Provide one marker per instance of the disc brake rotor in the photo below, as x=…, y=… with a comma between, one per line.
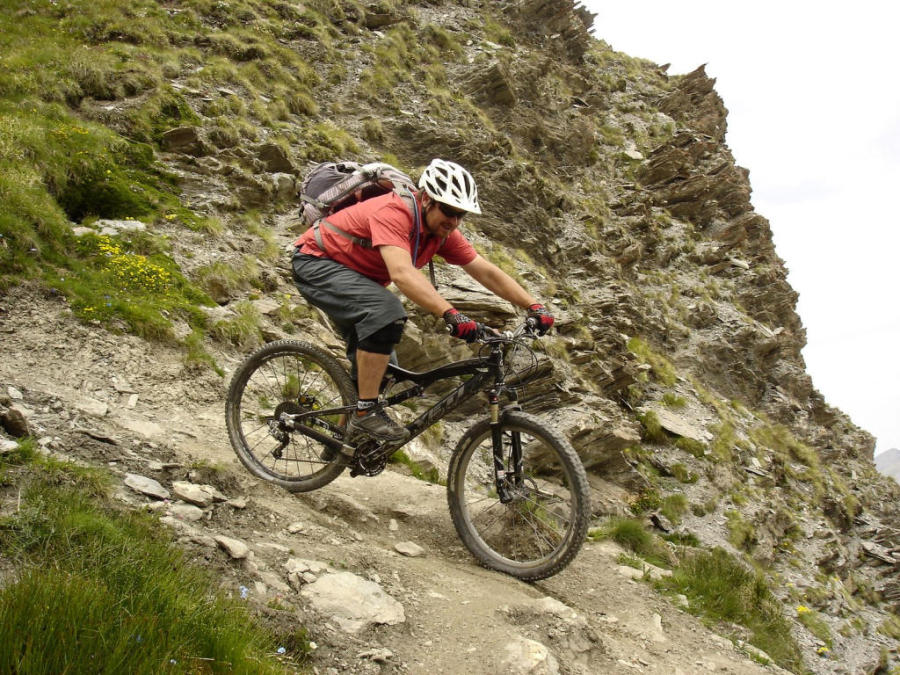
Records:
x=276, y=428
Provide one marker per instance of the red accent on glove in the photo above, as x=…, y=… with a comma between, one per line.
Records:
x=543, y=317
x=461, y=326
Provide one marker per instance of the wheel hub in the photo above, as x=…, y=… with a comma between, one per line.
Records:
x=277, y=428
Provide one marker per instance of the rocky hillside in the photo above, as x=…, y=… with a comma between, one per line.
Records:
x=149, y=199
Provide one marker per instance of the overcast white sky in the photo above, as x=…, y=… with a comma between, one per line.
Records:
x=813, y=94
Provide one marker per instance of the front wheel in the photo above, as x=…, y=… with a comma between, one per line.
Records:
x=288, y=377
x=544, y=520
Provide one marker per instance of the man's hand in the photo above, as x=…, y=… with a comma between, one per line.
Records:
x=542, y=318
x=462, y=326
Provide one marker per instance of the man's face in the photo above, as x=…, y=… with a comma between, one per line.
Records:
x=440, y=219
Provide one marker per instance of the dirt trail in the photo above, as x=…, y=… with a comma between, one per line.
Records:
x=133, y=406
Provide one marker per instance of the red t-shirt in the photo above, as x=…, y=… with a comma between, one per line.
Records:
x=387, y=221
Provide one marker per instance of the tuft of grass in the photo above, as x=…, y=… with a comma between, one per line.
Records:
x=632, y=535
x=780, y=439
x=674, y=507
x=814, y=623
x=100, y=590
x=430, y=476
x=683, y=474
x=682, y=539
x=721, y=589
x=660, y=366
x=647, y=500
x=223, y=281
x=25, y=452
x=692, y=446
x=741, y=534
x=673, y=400
x=196, y=354
x=243, y=330
x=651, y=429
x=724, y=441
x=891, y=627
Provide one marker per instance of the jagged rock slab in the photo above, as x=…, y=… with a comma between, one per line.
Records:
x=680, y=426
x=233, y=547
x=528, y=657
x=409, y=549
x=146, y=486
x=352, y=602
x=198, y=495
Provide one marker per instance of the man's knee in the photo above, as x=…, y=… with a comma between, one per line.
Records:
x=383, y=340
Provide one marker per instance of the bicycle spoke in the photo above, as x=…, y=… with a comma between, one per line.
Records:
x=287, y=378
x=537, y=531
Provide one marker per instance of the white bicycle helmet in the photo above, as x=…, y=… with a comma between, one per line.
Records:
x=450, y=184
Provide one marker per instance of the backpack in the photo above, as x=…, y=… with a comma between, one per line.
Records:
x=332, y=186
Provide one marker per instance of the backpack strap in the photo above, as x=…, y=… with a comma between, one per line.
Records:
x=359, y=241
x=410, y=200
x=407, y=196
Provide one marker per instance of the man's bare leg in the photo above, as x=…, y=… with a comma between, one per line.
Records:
x=370, y=369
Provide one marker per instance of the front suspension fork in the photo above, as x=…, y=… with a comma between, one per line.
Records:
x=505, y=476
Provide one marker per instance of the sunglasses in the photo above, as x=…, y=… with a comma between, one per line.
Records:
x=450, y=212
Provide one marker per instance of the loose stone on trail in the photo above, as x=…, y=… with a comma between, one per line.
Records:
x=146, y=486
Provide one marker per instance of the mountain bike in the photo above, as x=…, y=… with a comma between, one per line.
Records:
x=517, y=490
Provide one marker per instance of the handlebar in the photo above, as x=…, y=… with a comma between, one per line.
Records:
x=529, y=328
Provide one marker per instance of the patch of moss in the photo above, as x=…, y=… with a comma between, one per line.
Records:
x=662, y=369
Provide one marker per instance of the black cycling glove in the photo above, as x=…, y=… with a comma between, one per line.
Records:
x=461, y=326
x=543, y=318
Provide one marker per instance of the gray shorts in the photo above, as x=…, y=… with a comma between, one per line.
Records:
x=357, y=305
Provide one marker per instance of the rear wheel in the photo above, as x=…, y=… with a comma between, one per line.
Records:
x=543, y=525
x=287, y=377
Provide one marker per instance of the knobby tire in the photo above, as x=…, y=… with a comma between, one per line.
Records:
x=542, y=529
x=286, y=376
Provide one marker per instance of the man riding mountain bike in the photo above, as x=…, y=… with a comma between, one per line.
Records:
x=343, y=264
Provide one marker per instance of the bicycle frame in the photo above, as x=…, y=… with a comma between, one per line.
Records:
x=482, y=370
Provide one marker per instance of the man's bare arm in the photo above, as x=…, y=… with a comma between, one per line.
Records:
x=498, y=282
x=411, y=282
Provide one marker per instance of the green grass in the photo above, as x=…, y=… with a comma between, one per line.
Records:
x=673, y=400
x=814, y=623
x=660, y=366
x=724, y=441
x=403, y=53
x=243, y=329
x=723, y=591
x=692, y=446
x=430, y=476
x=111, y=281
x=683, y=474
x=741, y=534
x=651, y=429
x=891, y=627
x=64, y=163
x=102, y=590
x=223, y=281
x=674, y=507
x=632, y=535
